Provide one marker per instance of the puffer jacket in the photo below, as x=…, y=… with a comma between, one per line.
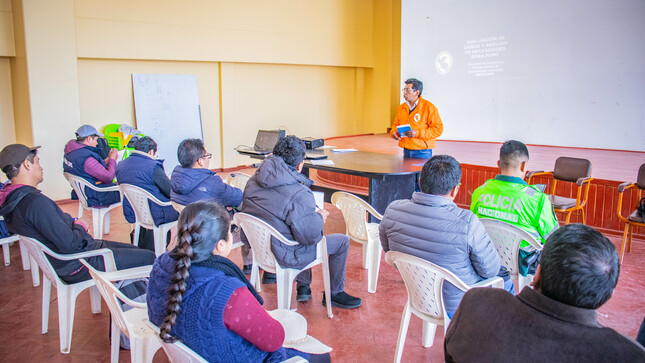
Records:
x=279, y=195
x=435, y=229
x=189, y=185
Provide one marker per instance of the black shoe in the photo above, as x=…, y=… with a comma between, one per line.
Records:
x=344, y=301
x=268, y=278
x=304, y=293
x=247, y=269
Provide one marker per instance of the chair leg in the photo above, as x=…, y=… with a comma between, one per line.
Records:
x=106, y=222
x=326, y=278
x=582, y=212
x=429, y=330
x=80, y=210
x=24, y=255
x=160, y=242
x=629, y=238
x=255, y=277
x=622, y=246
x=5, y=252
x=137, y=232
x=96, y=224
x=403, y=331
x=66, y=308
x=366, y=255
x=115, y=344
x=95, y=300
x=35, y=272
x=47, y=289
x=284, y=287
x=523, y=281
x=375, y=264
x=567, y=218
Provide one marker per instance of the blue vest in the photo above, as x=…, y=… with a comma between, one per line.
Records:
x=200, y=324
x=74, y=163
x=138, y=170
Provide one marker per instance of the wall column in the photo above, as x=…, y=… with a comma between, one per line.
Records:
x=45, y=77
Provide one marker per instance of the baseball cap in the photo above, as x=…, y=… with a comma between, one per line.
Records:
x=87, y=130
x=15, y=154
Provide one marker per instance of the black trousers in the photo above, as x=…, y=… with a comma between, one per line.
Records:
x=125, y=256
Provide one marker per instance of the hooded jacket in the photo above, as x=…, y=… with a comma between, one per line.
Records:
x=433, y=228
x=29, y=213
x=189, y=185
x=281, y=196
x=85, y=161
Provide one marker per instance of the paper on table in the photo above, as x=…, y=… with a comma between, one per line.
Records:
x=327, y=147
x=343, y=150
x=419, y=164
x=321, y=162
x=320, y=199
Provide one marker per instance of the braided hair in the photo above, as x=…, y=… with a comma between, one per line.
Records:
x=201, y=225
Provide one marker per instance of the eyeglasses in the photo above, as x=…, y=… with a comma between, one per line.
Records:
x=207, y=156
x=408, y=90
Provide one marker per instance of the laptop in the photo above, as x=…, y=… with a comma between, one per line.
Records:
x=264, y=142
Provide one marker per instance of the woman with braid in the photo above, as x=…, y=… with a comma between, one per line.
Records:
x=200, y=297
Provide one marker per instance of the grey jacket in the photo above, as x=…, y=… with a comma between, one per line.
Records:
x=280, y=195
x=435, y=229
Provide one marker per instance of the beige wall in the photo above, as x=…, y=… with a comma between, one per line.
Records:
x=318, y=68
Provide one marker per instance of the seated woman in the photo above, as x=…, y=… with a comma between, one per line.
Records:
x=200, y=297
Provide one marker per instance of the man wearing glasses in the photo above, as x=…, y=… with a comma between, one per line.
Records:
x=423, y=120
x=192, y=180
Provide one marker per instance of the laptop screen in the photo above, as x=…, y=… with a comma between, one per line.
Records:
x=266, y=139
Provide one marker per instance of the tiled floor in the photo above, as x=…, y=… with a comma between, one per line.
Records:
x=367, y=334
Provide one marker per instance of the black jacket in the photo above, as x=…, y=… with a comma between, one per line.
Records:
x=280, y=195
x=29, y=213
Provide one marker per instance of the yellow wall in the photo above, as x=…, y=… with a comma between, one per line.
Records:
x=8, y=132
x=318, y=68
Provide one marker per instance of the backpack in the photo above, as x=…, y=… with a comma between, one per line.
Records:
x=641, y=208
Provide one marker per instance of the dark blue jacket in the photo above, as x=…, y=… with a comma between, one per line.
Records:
x=189, y=185
x=74, y=163
x=200, y=323
x=138, y=170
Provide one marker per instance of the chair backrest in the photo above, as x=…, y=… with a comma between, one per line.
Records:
x=238, y=180
x=640, y=179
x=259, y=233
x=112, y=295
x=424, y=282
x=178, y=352
x=354, y=211
x=139, y=200
x=78, y=184
x=37, y=251
x=507, y=239
x=571, y=169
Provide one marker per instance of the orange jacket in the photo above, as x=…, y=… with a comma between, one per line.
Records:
x=424, y=119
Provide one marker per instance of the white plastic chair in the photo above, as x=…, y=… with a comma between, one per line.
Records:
x=355, y=212
x=177, y=352
x=507, y=238
x=138, y=199
x=424, y=283
x=237, y=180
x=66, y=294
x=259, y=233
x=100, y=216
x=134, y=322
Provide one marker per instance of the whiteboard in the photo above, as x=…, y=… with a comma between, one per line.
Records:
x=167, y=109
x=552, y=72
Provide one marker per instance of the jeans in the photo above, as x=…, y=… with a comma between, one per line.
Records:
x=125, y=256
x=337, y=248
x=419, y=154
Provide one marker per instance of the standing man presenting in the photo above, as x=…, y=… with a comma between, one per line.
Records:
x=423, y=118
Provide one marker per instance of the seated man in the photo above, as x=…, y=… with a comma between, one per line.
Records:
x=557, y=321
x=30, y=213
x=509, y=199
x=280, y=195
x=82, y=158
x=144, y=170
x=192, y=180
x=431, y=226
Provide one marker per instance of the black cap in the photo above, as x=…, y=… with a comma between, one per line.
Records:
x=15, y=154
